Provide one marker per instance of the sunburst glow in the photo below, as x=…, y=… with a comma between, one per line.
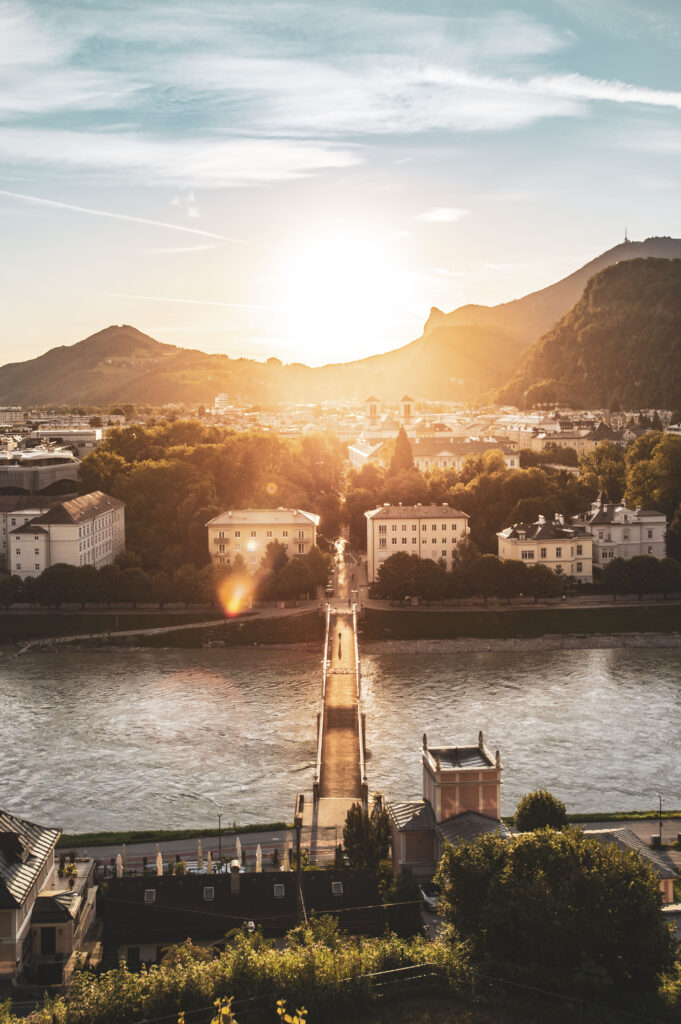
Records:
x=338, y=290
x=236, y=594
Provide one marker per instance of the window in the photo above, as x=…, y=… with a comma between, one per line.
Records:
x=382, y=542
x=208, y=892
x=269, y=533
x=650, y=549
x=527, y=555
x=542, y=552
x=579, y=567
x=237, y=547
x=237, y=533
x=149, y=895
x=382, y=528
x=413, y=527
x=394, y=527
x=37, y=568
x=423, y=527
x=301, y=534
x=444, y=554
x=404, y=527
x=254, y=533
x=284, y=533
x=279, y=891
x=413, y=540
x=301, y=549
x=221, y=549
x=444, y=526
x=221, y=534
x=337, y=888
x=434, y=526
x=18, y=551
x=404, y=540
x=625, y=535
x=559, y=552
x=600, y=535
x=650, y=534
x=453, y=526
x=579, y=549
x=394, y=540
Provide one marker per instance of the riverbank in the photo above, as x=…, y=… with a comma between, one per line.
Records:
x=551, y=625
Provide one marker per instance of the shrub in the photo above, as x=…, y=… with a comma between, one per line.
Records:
x=539, y=810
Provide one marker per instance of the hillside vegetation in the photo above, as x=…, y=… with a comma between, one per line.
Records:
x=620, y=345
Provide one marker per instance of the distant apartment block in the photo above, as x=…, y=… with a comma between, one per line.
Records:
x=566, y=548
x=31, y=471
x=81, y=439
x=428, y=531
x=11, y=414
x=89, y=530
x=622, y=532
x=451, y=453
x=222, y=403
x=247, y=532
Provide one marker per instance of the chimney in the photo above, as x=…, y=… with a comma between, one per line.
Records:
x=235, y=880
x=480, y=742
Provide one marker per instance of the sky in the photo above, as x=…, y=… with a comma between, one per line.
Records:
x=307, y=179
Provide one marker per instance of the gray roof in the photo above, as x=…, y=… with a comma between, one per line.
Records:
x=626, y=839
x=464, y=828
x=415, y=512
x=431, y=447
x=24, y=848
x=412, y=816
x=461, y=757
x=78, y=510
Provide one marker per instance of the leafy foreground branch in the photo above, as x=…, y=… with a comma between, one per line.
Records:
x=332, y=975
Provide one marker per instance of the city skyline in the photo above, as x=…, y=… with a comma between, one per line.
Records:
x=302, y=182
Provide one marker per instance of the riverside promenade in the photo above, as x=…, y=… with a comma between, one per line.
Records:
x=340, y=774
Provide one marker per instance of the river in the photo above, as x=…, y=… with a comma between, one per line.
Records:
x=167, y=738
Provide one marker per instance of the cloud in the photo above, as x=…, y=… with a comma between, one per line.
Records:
x=212, y=163
x=443, y=215
x=581, y=87
x=120, y=216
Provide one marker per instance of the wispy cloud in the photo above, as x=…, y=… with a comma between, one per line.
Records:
x=581, y=87
x=192, y=302
x=443, y=215
x=121, y=216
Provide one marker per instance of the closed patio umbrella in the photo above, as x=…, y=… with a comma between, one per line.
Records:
x=159, y=862
x=209, y=863
x=258, y=858
x=238, y=849
x=199, y=856
x=119, y=866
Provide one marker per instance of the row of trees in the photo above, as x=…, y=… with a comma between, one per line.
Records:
x=126, y=583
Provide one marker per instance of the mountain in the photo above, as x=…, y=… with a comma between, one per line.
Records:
x=619, y=345
x=471, y=351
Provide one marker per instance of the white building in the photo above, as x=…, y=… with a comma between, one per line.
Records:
x=248, y=531
x=82, y=439
x=429, y=531
x=566, y=548
x=622, y=532
x=10, y=414
x=15, y=511
x=451, y=452
x=89, y=530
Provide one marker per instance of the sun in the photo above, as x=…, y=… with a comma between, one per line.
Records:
x=340, y=290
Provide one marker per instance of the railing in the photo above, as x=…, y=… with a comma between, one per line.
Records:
x=360, y=714
x=320, y=713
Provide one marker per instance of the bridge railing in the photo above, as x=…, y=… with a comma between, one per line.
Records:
x=320, y=713
x=360, y=714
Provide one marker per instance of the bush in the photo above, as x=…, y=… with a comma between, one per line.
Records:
x=540, y=809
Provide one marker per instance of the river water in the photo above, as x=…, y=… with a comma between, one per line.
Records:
x=167, y=738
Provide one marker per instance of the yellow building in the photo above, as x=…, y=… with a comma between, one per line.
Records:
x=564, y=548
x=248, y=531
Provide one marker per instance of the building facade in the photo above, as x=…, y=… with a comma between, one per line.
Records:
x=451, y=452
x=30, y=471
x=461, y=800
x=248, y=531
x=16, y=510
x=621, y=532
x=11, y=414
x=81, y=439
x=44, y=918
x=429, y=531
x=565, y=548
x=89, y=530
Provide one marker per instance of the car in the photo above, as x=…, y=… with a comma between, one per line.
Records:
x=430, y=894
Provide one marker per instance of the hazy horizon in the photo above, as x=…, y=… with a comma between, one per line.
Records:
x=306, y=182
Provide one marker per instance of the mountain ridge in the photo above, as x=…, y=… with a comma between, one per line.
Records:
x=471, y=351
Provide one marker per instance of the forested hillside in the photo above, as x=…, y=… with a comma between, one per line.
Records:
x=619, y=346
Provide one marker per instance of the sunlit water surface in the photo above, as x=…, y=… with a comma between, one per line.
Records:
x=168, y=738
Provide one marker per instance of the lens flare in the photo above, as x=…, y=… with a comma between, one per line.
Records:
x=271, y=487
x=236, y=594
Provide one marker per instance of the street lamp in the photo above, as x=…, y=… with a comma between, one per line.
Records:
x=220, y=839
x=659, y=797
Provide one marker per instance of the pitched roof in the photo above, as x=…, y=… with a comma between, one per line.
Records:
x=626, y=839
x=24, y=848
x=80, y=509
x=263, y=516
x=30, y=527
x=454, y=758
x=412, y=816
x=464, y=828
x=543, y=529
x=415, y=512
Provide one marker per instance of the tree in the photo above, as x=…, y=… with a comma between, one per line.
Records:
x=644, y=572
x=673, y=536
x=102, y=471
x=275, y=557
x=366, y=837
x=488, y=573
x=135, y=585
x=397, y=576
x=557, y=910
x=95, y=421
x=10, y=590
x=513, y=579
x=402, y=455
x=295, y=580
x=542, y=582
x=187, y=584
x=57, y=584
x=604, y=469
x=539, y=809
x=670, y=576
x=616, y=577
